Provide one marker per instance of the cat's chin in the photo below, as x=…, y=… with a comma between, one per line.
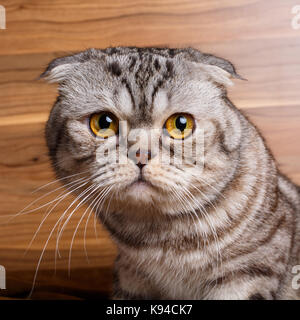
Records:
x=140, y=191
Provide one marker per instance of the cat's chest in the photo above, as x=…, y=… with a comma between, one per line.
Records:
x=175, y=275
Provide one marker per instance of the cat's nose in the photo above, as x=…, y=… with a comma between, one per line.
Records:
x=142, y=157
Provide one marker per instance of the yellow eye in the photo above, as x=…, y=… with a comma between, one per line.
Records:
x=180, y=125
x=104, y=124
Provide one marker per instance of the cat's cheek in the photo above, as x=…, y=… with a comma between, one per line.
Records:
x=80, y=142
x=207, y=132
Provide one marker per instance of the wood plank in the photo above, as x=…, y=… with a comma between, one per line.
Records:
x=73, y=25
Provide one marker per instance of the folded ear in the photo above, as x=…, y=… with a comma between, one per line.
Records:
x=218, y=74
x=223, y=64
x=59, y=69
x=214, y=62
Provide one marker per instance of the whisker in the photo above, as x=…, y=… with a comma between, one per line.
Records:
x=98, y=208
x=70, y=215
x=190, y=212
x=48, y=214
x=22, y=212
x=59, y=180
x=209, y=185
x=78, y=205
x=107, y=208
x=44, y=248
x=50, y=192
x=210, y=224
x=98, y=199
x=57, y=251
x=76, y=229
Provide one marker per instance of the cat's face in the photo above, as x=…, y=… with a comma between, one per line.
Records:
x=149, y=131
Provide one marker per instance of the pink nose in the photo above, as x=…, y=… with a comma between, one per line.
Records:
x=142, y=157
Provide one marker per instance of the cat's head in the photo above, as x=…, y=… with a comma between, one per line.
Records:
x=143, y=129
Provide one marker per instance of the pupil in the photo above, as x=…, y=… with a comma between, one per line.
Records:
x=181, y=123
x=105, y=121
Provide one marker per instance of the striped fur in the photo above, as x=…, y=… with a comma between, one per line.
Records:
x=228, y=231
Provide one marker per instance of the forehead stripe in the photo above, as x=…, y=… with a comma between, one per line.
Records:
x=115, y=69
x=125, y=82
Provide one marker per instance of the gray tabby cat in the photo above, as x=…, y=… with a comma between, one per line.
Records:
x=225, y=228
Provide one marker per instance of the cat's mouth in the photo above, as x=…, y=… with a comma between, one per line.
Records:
x=140, y=185
x=141, y=181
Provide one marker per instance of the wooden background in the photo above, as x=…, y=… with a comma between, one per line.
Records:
x=256, y=35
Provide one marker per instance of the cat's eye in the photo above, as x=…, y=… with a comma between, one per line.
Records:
x=104, y=124
x=180, y=125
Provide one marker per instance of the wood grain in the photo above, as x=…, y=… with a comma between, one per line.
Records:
x=255, y=34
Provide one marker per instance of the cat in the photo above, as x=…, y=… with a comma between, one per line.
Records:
x=226, y=226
